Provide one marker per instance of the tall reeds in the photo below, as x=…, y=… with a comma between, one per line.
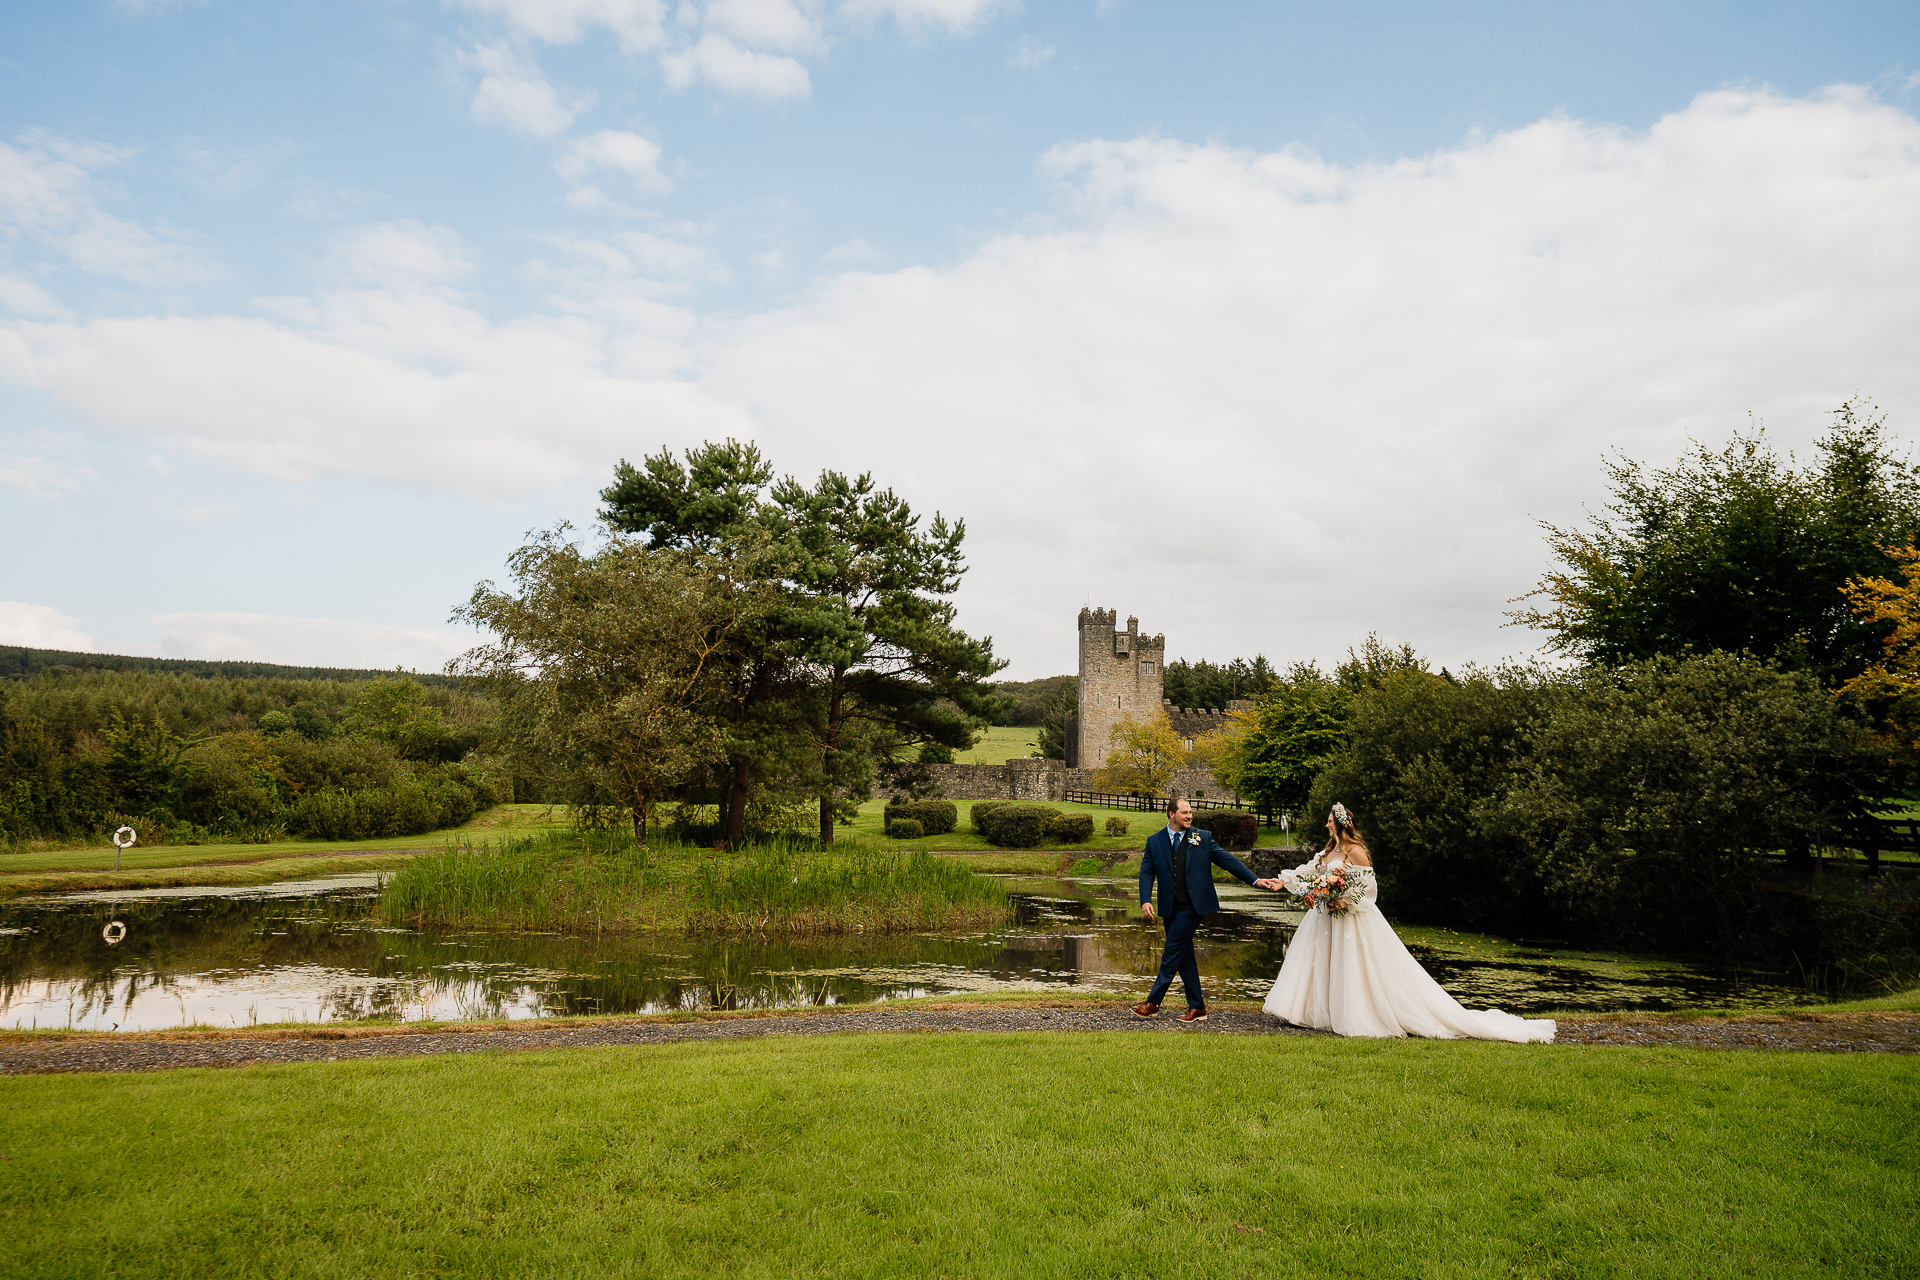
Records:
x=591, y=882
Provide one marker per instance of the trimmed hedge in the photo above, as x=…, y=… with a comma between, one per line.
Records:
x=1071, y=828
x=1117, y=826
x=1018, y=826
x=979, y=814
x=1232, y=828
x=938, y=817
x=905, y=829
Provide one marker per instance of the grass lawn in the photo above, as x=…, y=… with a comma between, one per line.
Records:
x=976, y=1155
x=64, y=869
x=1000, y=743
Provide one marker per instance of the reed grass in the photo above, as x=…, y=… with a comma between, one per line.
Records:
x=604, y=882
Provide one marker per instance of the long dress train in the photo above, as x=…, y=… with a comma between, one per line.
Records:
x=1350, y=974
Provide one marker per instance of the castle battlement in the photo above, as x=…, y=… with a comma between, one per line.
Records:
x=1122, y=677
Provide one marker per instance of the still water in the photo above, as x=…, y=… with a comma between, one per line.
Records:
x=313, y=951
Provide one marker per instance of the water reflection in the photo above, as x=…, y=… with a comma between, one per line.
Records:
x=312, y=951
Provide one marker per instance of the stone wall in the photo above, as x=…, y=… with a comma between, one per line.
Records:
x=1043, y=780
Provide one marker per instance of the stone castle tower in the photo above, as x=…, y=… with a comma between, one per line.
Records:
x=1122, y=677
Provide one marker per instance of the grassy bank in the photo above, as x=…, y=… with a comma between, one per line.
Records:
x=976, y=1155
x=573, y=882
x=68, y=868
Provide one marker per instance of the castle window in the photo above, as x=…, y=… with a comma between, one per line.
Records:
x=1146, y=668
x=1116, y=702
x=1187, y=743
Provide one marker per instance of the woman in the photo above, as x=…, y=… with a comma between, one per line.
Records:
x=1348, y=972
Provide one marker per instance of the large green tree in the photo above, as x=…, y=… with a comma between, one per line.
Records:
x=1738, y=550
x=870, y=601
x=604, y=664
x=860, y=659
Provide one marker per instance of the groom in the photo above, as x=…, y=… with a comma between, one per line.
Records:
x=1182, y=860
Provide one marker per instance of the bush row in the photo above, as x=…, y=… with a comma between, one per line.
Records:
x=1026, y=826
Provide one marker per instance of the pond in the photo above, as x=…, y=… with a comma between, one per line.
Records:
x=314, y=951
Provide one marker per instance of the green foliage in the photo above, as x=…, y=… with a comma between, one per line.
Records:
x=1026, y=702
x=980, y=813
x=905, y=829
x=276, y=722
x=606, y=666
x=1232, y=828
x=18, y=662
x=1737, y=551
x=1070, y=828
x=1294, y=730
x=1633, y=807
x=862, y=653
x=936, y=817
x=1203, y=685
x=936, y=753
x=1117, y=826
x=1143, y=759
x=1017, y=826
x=1061, y=701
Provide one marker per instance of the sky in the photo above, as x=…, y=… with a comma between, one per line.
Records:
x=1275, y=325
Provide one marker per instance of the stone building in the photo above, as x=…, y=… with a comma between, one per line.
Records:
x=1123, y=677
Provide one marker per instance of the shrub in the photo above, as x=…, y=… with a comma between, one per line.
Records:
x=1071, y=828
x=905, y=829
x=1232, y=828
x=1019, y=826
x=938, y=817
x=1117, y=826
x=936, y=753
x=980, y=813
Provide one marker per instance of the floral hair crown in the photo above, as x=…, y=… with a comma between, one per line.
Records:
x=1341, y=816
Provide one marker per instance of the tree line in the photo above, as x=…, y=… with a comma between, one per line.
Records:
x=192, y=758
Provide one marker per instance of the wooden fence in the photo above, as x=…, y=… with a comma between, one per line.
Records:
x=1156, y=804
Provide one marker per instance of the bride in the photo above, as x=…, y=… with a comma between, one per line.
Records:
x=1348, y=972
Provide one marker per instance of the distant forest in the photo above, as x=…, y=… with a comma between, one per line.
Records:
x=1029, y=705
x=20, y=663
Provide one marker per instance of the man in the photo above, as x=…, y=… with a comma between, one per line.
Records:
x=1182, y=860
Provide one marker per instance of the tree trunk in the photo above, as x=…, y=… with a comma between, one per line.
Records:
x=832, y=742
x=737, y=801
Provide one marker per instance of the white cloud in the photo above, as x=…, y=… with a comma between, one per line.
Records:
x=766, y=24
x=637, y=23
x=616, y=150
x=718, y=61
x=404, y=253
x=39, y=627
x=24, y=297
x=1363, y=380
x=956, y=16
x=49, y=194
x=320, y=642
x=1030, y=54
x=43, y=465
x=512, y=92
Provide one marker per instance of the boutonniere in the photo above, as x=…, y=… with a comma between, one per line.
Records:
x=1193, y=837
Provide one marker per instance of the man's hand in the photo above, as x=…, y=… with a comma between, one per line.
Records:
x=1274, y=885
x=1146, y=909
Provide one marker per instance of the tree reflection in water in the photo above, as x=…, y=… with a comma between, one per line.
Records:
x=316, y=953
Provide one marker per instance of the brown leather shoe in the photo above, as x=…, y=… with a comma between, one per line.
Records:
x=1194, y=1015
x=1146, y=1009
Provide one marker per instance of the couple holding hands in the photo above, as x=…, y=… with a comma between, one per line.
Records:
x=1345, y=970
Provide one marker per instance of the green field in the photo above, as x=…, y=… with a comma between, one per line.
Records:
x=977, y=1155
x=1000, y=743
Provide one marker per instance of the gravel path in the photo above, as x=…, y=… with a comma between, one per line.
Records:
x=1832, y=1033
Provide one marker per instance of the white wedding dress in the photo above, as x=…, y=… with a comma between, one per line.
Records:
x=1350, y=974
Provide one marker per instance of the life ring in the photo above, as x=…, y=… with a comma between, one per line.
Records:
x=113, y=932
x=130, y=834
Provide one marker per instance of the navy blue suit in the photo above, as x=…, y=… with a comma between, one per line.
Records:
x=1203, y=853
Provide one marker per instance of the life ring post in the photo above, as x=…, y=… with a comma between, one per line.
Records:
x=123, y=839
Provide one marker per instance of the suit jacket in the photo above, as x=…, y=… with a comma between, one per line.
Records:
x=1203, y=854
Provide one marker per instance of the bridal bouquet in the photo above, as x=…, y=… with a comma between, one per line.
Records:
x=1339, y=890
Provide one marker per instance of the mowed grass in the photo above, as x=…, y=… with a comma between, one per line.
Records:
x=976, y=1155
